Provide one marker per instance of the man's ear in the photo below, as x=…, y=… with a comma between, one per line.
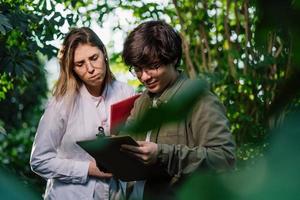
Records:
x=175, y=62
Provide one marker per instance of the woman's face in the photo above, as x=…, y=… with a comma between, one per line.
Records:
x=89, y=65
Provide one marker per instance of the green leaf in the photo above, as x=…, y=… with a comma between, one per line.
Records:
x=4, y=22
x=174, y=110
x=2, y=30
x=2, y=130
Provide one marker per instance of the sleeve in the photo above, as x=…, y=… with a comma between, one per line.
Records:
x=133, y=113
x=128, y=91
x=138, y=110
x=210, y=129
x=44, y=159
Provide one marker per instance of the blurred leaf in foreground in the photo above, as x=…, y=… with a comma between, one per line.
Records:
x=12, y=187
x=275, y=176
x=177, y=108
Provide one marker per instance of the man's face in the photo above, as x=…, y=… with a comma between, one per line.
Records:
x=156, y=79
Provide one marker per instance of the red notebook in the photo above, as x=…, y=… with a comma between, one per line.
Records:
x=119, y=112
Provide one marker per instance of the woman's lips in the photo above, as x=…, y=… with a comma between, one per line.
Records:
x=94, y=77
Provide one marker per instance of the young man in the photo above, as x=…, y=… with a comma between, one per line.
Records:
x=201, y=141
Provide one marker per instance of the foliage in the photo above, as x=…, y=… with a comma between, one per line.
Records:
x=25, y=30
x=5, y=85
x=13, y=188
x=274, y=176
x=120, y=70
x=245, y=53
x=218, y=40
x=247, y=50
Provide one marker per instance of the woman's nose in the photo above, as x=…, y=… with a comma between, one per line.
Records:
x=90, y=68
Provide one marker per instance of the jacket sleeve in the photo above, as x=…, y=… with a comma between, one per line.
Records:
x=44, y=159
x=210, y=130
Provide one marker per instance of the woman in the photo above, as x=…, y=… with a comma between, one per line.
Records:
x=80, y=107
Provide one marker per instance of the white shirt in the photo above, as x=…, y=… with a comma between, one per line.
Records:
x=55, y=155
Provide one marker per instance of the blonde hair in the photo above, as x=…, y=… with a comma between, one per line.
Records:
x=68, y=82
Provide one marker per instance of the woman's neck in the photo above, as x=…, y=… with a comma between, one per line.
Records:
x=95, y=91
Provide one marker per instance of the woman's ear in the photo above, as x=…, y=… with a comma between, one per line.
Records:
x=61, y=52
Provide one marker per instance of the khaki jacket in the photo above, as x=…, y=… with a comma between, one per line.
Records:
x=201, y=141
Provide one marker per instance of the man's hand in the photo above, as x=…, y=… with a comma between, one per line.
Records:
x=96, y=172
x=146, y=152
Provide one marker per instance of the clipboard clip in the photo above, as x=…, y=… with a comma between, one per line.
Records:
x=100, y=132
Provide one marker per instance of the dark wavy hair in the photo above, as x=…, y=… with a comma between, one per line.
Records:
x=152, y=43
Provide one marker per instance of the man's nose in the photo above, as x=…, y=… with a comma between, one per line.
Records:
x=145, y=76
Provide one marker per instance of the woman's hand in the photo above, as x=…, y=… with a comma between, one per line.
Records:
x=146, y=152
x=96, y=172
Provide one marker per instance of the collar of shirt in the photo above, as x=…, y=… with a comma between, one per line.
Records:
x=97, y=100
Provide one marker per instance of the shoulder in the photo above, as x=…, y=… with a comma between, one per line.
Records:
x=122, y=88
x=205, y=100
x=209, y=103
x=208, y=97
x=143, y=97
x=121, y=85
x=55, y=103
x=200, y=85
x=60, y=106
x=142, y=102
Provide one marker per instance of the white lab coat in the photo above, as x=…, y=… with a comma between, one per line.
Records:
x=55, y=155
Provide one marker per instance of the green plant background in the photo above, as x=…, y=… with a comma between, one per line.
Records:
x=247, y=50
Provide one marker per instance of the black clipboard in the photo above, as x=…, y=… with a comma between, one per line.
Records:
x=106, y=151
